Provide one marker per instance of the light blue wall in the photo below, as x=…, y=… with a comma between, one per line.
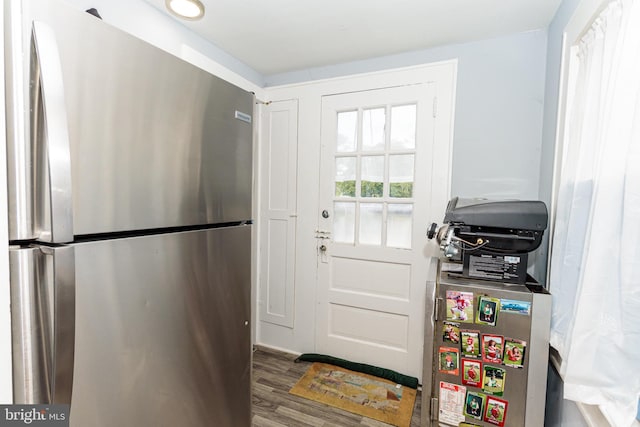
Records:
x=499, y=107
x=552, y=87
x=551, y=94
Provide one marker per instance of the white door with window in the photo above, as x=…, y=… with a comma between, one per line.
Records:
x=377, y=181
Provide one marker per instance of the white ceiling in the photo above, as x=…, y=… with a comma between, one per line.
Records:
x=276, y=36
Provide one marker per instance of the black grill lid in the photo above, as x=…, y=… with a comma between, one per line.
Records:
x=512, y=214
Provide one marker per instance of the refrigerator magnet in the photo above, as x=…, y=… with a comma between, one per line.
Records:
x=514, y=352
x=470, y=343
x=451, y=403
x=449, y=360
x=451, y=332
x=468, y=425
x=514, y=306
x=492, y=348
x=488, y=309
x=472, y=372
x=474, y=405
x=495, y=411
x=460, y=306
x=493, y=379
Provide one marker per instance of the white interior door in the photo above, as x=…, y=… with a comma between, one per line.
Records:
x=376, y=178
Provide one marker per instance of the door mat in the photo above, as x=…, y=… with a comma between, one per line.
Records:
x=362, y=394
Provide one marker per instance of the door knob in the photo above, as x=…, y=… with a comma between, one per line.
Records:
x=325, y=214
x=323, y=248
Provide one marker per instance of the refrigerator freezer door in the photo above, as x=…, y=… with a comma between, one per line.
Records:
x=154, y=142
x=162, y=331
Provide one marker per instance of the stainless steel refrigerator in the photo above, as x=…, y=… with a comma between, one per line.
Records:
x=130, y=178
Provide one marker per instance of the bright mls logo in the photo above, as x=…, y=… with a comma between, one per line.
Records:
x=34, y=415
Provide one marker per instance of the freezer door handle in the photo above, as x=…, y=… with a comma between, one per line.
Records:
x=43, y=324
x=47, y=98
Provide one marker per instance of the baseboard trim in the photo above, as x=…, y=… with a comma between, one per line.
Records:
x=266, y=347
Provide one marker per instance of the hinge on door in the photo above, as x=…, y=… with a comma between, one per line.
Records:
x=435, y=106
x=436, y=309
x=434, y=409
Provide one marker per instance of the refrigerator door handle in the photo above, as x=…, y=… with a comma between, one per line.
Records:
x=43, y=323
x=30, y=327
x=64, y=323
x=49, y=87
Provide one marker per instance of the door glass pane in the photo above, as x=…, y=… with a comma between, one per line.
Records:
x=373, y=121
x=346, y=177
x=347, y=128
x=372, y=176
x=370, y=224
x=403, y=127
x=399, y=225
x=401, y=175
x=344, y=222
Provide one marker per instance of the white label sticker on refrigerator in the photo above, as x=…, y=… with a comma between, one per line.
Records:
x=451, y=403
x=243, y=116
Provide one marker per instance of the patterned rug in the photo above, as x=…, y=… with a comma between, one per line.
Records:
x=359, y=393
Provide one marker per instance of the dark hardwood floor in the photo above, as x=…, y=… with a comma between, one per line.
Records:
x=274, y=373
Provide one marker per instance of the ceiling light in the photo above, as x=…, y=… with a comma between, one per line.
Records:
x=186, y=9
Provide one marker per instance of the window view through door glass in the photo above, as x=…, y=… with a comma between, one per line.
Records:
x=374, y=176
x=346, y=176
x=401, y=175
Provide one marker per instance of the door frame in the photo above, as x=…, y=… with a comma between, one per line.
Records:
x=300, y=338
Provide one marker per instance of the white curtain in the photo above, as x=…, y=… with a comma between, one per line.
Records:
x=595, y=261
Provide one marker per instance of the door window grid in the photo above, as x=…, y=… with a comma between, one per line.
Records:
x=367, y=211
